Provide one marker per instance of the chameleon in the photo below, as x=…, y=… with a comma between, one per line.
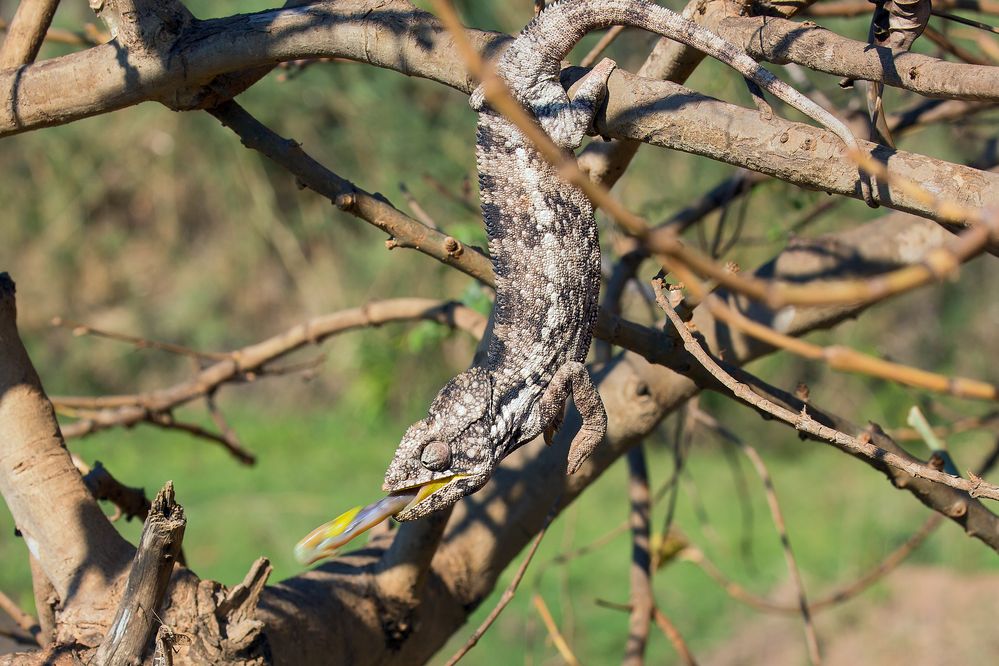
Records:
x=545, y=253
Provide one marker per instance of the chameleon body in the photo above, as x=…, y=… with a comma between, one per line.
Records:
x=545, y=253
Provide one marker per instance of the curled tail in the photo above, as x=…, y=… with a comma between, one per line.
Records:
x=537, y=53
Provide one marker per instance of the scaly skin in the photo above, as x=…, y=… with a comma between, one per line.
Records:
x=546, y=256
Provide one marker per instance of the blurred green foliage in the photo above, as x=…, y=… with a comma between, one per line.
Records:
x=162, y=225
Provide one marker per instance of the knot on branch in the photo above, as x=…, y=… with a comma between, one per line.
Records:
x=144, y=27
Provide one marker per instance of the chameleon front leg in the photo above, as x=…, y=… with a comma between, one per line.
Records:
x=573, y=375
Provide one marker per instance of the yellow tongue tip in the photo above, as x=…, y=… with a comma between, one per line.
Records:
x=328, y=538
x=308, y=550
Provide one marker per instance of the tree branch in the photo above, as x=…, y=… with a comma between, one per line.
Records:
x=781, y=41
x=159, y=545
x=132, y=409
x=26, y=32
x=77, y=548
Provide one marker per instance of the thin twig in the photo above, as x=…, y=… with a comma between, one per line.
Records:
x=846, y=359
x=989, y=420
x=802, y=421
x=966, y=21
x=418, y=211
x=641, y=560
x=227, y=438
x=608, y=38
x=80, y=329
x=664, y=624
x=593, y=546
x=250, y=361
x=464, y=199
x=944, y=42
x=559, y=641
x=509, y=592
x=674, y=636
x=23, y=620
x=811, y=640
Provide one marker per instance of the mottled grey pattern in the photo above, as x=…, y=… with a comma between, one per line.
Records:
x=544, y=248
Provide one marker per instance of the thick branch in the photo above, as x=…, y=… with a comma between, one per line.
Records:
x=781, y=41
x=77, y=548
x=671, y=116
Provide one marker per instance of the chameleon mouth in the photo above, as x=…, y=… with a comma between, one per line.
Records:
x=327, y=539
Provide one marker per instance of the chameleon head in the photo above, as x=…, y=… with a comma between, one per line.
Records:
x=441, y=459
x=447, y=455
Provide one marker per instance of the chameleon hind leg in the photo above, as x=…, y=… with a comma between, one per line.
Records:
x=568, y=124
x=573, y=376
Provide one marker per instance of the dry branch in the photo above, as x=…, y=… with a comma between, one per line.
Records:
x=159, y=545
x=553, y=632
x=803, y=421
x=675, y=637
x=125, y=410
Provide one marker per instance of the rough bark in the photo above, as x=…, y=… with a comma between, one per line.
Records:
x=670, y=116
x=781, y=41
x=77, y=549
x=131, y=630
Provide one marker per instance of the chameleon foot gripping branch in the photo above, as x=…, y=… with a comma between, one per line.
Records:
x=546, y=257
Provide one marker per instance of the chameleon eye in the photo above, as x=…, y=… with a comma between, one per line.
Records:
x=436, y=456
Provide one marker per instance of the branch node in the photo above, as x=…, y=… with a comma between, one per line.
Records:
x=453, y=247
x=345, y=201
